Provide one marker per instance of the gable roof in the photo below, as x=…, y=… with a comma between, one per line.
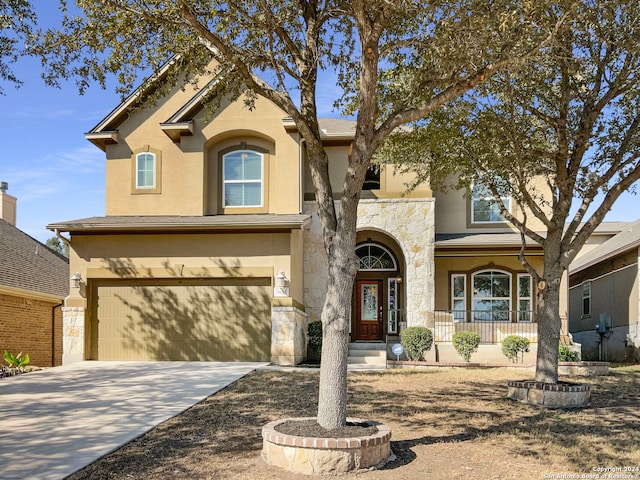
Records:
x=627, y=239
x=27, y=264
x=181, y=121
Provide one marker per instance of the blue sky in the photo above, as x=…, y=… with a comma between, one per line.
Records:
x=54, y=172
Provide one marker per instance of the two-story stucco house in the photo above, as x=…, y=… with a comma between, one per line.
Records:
x=210, y=248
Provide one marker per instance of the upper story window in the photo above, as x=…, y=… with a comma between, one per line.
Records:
x=372, y=178
x=484, y=208
x=146, y=171
x=243, y=179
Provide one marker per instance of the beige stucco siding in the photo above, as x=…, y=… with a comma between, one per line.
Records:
x=453, y=212
x=469, y=262
x=393, y=182
x=262, y=127
x=181, y=255
x=189, y=182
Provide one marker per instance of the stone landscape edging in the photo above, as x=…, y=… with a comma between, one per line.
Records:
x=322, y=456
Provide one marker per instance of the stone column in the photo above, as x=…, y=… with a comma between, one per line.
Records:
x=72, y=334
x=73, y=322
x=288, y=332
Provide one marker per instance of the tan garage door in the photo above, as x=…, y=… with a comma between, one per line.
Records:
x=183, y=320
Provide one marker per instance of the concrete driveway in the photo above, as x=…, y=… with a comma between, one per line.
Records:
x=56, y=421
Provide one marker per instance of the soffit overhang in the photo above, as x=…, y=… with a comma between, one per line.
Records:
x=181, y=224
x=470, y=244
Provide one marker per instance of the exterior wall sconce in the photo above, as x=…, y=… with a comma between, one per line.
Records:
x=75, y=281
x=398, y=279
x=282, y=285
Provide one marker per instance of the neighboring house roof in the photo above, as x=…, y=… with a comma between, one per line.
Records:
x=27, y=264
x=159, y=223
x=625, y=240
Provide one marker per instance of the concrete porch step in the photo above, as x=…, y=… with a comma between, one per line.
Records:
x=367, y=355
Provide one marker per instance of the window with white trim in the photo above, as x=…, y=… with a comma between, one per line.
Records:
x=586, y=299
x=146, y=170
x=459, y=297
x=491, y=299
x=243, y=179
x=525, y=298
x=484, y=208
x=372, y=256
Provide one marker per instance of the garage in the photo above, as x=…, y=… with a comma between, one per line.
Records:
x=185, y=319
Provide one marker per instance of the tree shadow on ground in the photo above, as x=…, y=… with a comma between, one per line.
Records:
x=455, y=408
x=479, y=411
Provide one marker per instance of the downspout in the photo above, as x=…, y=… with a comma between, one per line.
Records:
x=53, y=310
x=53, y=333
x=59, y=235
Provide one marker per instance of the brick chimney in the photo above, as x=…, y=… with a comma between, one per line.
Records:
x=7, y=205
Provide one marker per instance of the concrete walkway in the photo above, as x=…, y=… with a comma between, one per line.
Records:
x=56, y=421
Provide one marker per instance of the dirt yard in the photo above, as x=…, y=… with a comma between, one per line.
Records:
x=446, y=424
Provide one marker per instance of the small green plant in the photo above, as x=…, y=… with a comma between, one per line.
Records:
x=565, y=354
x=18, y=361
x=513, y=345
x=416, y=341
x=315, y=335
x=466, y=343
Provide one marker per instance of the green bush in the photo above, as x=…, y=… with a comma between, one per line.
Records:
x=513, y=345
x=565, y=354
x=315, y=335
x=416, y=341
x=466, y=343
x=18, y=361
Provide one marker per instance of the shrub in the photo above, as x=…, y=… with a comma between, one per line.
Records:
x=315, y=335
x=466, y=343
x=416, y=341
x=513, y=345
x=18, y=361
x=565, y=354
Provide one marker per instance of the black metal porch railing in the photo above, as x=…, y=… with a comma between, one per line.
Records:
x=492, y=327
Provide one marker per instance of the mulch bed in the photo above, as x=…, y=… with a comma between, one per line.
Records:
x=310, y=428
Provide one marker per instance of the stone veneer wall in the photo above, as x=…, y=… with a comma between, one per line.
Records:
x=288, y=335
x=410, y=222
x=72, y=334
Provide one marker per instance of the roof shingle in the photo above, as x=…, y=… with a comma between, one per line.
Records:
x=27, y=264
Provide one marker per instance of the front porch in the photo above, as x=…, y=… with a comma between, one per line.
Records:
x=493, y=328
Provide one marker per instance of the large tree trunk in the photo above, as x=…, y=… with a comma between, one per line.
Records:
x=332, y=400
x=549, y=324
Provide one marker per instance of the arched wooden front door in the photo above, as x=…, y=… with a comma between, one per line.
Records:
x=375, y=291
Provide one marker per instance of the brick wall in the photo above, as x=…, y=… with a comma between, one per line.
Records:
x=26, y=326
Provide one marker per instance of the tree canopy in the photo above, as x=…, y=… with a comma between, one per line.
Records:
x=17, y=21
x=558, y=136
x=55, y=244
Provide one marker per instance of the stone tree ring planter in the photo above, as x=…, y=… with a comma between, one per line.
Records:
x=551, y=395
x=325, y=456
